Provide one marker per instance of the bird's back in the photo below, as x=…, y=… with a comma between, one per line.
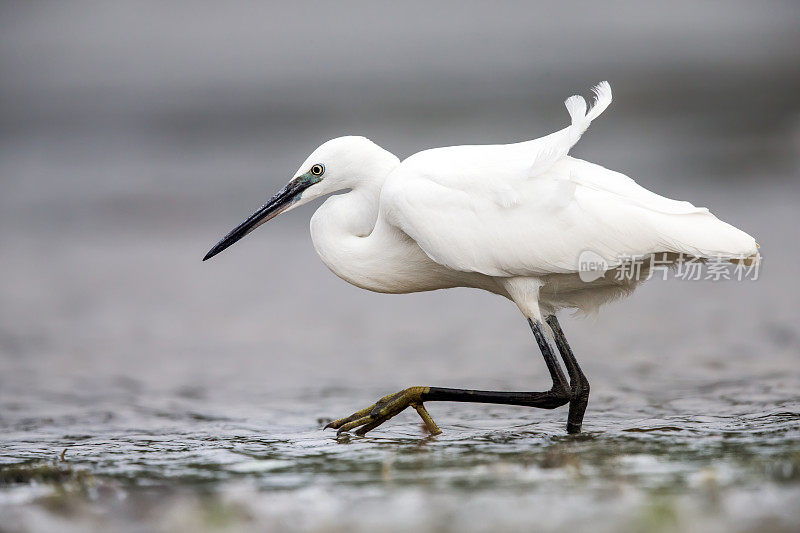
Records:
x=528, y=209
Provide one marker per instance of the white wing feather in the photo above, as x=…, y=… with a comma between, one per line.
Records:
x=479, y=208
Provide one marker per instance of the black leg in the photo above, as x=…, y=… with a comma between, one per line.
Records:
x=559, y=381
x=579, y=385
x=388, y=406
x=558, y=395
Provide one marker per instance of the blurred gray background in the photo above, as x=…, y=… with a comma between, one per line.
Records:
x=134, y=134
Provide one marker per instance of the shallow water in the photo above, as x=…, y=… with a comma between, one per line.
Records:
x=713, y=455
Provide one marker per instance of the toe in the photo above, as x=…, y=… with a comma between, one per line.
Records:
x=354, y=424
x=427, y=419
x=382, y=410
x=368, y=427
x=336, y=424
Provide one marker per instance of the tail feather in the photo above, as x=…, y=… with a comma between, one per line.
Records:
x=576, y=106
x=557, y=145
x=703, y=235
x=602, y=99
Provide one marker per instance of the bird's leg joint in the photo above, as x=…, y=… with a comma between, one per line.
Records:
x=561, y=396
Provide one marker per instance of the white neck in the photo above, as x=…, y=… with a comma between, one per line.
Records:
x=341, y=226
x=352, y=213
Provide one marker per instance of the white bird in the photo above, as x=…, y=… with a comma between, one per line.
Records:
x=515, y=220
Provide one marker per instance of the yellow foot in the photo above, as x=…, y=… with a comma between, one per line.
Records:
x=384, y=409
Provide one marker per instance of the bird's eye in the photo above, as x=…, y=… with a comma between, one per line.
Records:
x=317, y=170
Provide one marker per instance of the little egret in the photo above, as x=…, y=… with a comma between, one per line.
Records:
x=513, y=219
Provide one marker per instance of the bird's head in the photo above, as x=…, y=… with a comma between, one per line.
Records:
x=338, y=164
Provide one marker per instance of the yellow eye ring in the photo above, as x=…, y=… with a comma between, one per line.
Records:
x=317, y=170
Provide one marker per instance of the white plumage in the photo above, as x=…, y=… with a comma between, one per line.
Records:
x=513, y=219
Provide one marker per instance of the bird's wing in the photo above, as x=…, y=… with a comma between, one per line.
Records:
x=483, y=209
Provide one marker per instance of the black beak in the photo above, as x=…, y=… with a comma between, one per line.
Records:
x=274, y=207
